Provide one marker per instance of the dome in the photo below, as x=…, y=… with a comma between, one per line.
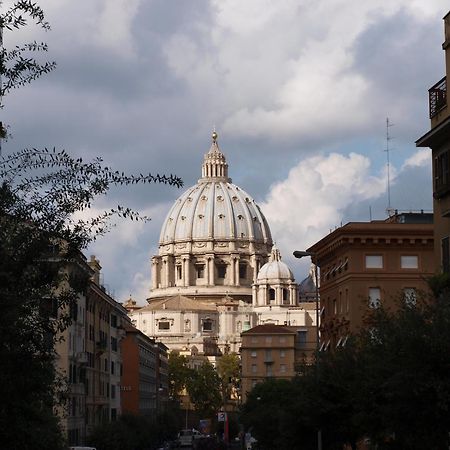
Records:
x=275, y=269
x=215, y=209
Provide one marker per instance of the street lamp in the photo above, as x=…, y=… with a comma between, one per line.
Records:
x=301, y=254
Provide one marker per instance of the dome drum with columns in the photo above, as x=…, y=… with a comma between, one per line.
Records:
x=216, y=273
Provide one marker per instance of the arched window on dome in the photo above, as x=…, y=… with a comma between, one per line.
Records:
x=285, y=296
x=271, y=295
x=179, y=272
x=221, y=270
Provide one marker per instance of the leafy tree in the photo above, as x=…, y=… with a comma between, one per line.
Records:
x=229, y=370
x=17, y=66
x=132, y=432
x=391, y=383
x=40, y=239
x=179, y=373
x=203, y=387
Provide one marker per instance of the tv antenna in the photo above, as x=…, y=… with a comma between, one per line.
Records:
x=388, y=148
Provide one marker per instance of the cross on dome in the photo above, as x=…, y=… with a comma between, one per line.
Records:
x=214, y=165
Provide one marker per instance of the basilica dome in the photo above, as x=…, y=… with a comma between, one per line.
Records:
x=214, y=238
x=215, y=208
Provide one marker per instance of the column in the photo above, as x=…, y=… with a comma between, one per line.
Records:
x=236, y=271
x=232, y=271
x=154, y=273
x=211, y=280
x=186, y=270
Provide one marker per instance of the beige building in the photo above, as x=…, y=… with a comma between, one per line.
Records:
x=363, y=264
x=267, y=351
x=104, y=327
x=216, y=273
x=71, y=358
x=438, y=139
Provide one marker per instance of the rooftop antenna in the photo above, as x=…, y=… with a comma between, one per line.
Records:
x=389, y=124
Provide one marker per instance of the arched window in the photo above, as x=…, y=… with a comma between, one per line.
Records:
x=271, y=295
x=285, y=296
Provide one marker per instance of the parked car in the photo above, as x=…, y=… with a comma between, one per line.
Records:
x=187, y=437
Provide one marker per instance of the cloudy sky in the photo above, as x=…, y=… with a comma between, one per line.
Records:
x=298, y=91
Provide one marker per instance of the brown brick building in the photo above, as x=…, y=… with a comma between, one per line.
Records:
x=438, y=139
x=365, y=263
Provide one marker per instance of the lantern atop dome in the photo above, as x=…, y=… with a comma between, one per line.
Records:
x=215, y=167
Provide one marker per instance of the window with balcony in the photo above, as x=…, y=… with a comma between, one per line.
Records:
x=437, y=96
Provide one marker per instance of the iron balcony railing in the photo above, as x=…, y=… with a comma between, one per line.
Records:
x=437, y=96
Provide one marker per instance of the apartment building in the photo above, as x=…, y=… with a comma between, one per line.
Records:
x=140, y=380
x=363, y=264
x=267, y=351
x=438, y=139
x=105, y=322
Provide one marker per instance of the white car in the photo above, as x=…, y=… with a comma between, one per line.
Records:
x=186, y=437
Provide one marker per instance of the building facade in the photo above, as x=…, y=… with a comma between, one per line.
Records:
x=267, y=351
x=363, y=264
x=140, y=373
x=438, y=139
x=104, y=328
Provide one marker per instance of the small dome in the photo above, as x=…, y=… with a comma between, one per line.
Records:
x=275, y=269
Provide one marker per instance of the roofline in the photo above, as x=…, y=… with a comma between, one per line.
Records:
x=435, y=136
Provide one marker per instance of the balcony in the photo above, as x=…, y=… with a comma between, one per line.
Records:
x=437, y=96
x=82, y=357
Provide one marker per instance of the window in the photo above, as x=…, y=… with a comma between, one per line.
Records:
x=112, y=367
x=282, y=340
x=254, y=354
x=254, y=340
x=254, y=383
x=445, y=255
x=409, y=262
x=207, y=325
x=187, y=325
x=374, y=261
x=243, y=270
x=163, y=325
x=114, y=344
x=285, y=296
x=106, y=365
x=301, y=338
x=200, y=270
x=442, y=173
x=221, y=271
x=410, y=296
x=271, y=294
x=268, y=355
x=283, y=368
x=374, y=297
x=179, y=272
x=282, y=354
x=269, y=372
x=113, y=391
x=268, y=339
x=254, y=368
x=114, y=320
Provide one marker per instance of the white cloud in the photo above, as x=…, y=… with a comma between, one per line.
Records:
x=303, y=208
x=421, y=158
